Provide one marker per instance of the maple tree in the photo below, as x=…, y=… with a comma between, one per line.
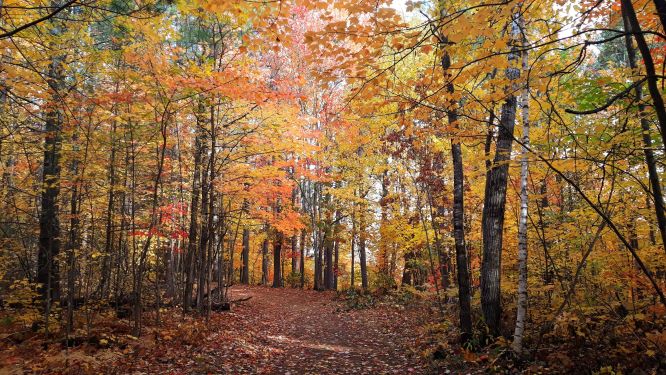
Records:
x=495, y=166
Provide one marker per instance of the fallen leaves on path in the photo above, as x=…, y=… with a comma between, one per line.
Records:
x=277, y=331
x=294, y=331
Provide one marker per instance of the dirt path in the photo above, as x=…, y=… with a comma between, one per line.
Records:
x=310, y=332
x=290, y=331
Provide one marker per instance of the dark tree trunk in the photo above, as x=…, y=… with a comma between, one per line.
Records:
x=328, y=252
x=210, y=235
x=361, y=251
x=464, y=288
x=277, y=253
x=294, y=255
x=650, y=161
x=245, y=274
x=294, y=237
x=409, y=272
x=221, y=266
x=302, y=263
x=383, y=258
x=318, y=269
x=353, y=242
x=72, y=244
x=282, y=268
x=122, y=236
x=203, y=239
x=48, y=275
x=648, y=62
x=336, y=259
x=495, y=201
x=493, y=210
x=264, y=262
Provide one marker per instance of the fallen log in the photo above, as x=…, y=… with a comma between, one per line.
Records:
x=226, y=306
x=241, y=300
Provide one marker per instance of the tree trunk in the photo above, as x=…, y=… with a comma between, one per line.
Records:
x=361, y=250
x=409, y=271
x=210, y=235
x=294, y=256
x=328, y=252
x=494, y=204
x=650, y=161
x=264, y=261
x=221, y=267
x=203, y=239
x=336, y=259
x=353, y=242
x=383, y=257
x=72, y=244
x=48, y=275
x=194, y=223
x=464, y=288
x=245, y=268
x=521, y=304
x=277, y=253
x=318, y=269
x=302, y=263
x=122, y=236
x=651, y=75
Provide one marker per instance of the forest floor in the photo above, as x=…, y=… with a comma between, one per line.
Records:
x=276, y=331
x=294, y=331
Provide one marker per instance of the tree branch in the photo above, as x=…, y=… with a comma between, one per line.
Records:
x=37, y=21
x=610, y=102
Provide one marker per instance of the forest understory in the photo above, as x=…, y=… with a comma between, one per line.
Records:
x=291, y=331
x=276, y=331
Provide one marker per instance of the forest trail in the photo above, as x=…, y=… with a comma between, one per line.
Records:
x=291, y=331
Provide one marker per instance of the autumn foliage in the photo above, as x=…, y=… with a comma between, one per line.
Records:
x=494, y=168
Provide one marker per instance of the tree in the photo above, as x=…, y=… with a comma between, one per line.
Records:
x=245, y=267
x=521, y=304
x=48, y=275
x=495, y=200
x=277, y=253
